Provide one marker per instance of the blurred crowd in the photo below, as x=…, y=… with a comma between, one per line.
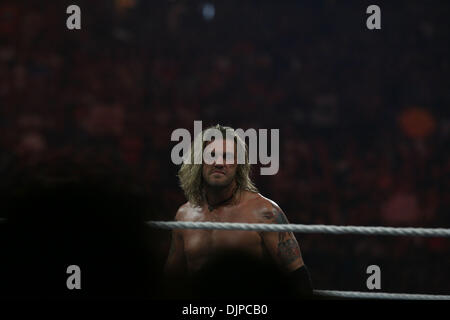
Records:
x=363, y=115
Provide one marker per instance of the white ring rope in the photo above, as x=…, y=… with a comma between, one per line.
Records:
x=328, y=229
x=302, y=228
x=379, y=295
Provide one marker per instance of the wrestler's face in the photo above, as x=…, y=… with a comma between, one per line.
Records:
x=221, y=172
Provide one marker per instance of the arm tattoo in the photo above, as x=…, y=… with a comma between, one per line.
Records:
x=274, y=216
x=288, y=250
x=280, y=218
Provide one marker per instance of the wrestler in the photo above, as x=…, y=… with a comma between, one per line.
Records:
x=223, y=192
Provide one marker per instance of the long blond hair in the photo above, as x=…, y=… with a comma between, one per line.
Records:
x=190, y=173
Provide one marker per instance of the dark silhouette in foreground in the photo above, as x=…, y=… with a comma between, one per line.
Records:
x=239, y=276
x=81, y=218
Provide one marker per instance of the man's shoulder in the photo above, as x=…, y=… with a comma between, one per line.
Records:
x=262, y=202
x=188, y=212
x=263, y=207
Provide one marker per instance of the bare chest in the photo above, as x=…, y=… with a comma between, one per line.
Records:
x=203, y=245
x=210, y=241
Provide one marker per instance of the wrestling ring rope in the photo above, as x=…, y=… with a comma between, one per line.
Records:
x=324, y=229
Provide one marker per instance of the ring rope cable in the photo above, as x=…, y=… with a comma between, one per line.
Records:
x=302, y=228
x=327, y=229
x=379, y=295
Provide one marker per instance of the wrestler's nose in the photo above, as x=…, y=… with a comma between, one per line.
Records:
x=219, y=164
x=219, y=161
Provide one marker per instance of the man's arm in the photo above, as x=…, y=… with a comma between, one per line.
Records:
x=285, y=250
x=176, y=261
x=282, y=246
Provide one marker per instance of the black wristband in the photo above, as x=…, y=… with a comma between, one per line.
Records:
x=302, y=281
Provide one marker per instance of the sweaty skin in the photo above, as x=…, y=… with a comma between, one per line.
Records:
x=192, y=248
